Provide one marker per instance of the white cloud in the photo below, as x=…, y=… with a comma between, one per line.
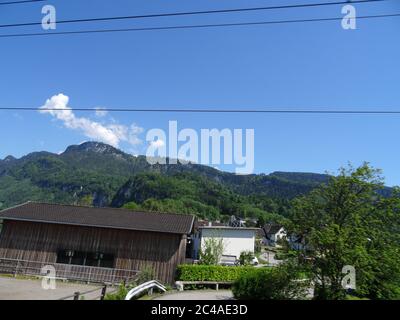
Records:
x=112, y=134
x=134, y=131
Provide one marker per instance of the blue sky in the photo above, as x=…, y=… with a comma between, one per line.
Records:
x=280, y=66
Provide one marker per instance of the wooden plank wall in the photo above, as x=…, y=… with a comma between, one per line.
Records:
x=133, y=250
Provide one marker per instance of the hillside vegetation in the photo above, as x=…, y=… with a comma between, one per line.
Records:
x=100, y=175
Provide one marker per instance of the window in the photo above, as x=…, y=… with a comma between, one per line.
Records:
x=107, y=261
x=64, y=256
x=78, y=258
x=92, y=259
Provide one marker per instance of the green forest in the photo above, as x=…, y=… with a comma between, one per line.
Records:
x=96, y=174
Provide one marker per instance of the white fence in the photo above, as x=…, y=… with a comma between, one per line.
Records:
x=68, y=271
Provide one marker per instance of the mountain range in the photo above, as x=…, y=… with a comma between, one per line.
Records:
x=98, y=174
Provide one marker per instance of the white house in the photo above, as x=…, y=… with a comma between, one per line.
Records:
x=273, y=233
x=235, y=240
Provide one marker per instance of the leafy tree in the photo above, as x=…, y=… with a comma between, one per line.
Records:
x=86, y=200
x=383, y=279
x=131, y=206
x=211, y=251
x=347, y=222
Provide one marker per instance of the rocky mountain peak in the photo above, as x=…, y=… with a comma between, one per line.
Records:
x=9, y=159
x=93, y=146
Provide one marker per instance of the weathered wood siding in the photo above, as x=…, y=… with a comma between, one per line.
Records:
x=133, y=250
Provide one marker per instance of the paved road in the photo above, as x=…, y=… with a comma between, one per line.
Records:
x=270, y=257
x=22, y=289
x=198, y=295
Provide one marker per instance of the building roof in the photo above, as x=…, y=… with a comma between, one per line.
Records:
x=206, y=223
x=227, y=228
x=100, y=217
x=260, y=233
x=272, y=228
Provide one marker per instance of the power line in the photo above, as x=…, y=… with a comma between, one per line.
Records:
x=282, y=111
x=172, y=14
x=19, y=2
x=193, y=26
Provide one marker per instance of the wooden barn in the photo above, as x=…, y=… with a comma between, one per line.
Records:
x=92, y=244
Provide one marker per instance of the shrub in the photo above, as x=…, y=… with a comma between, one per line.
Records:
x=270, y=284
x=211, y=251
x=246, y=258
x=194, y=272
x=119, y=295
x=146, y=274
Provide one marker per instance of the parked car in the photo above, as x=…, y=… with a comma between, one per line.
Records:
x=228, y=260
x=254, y=261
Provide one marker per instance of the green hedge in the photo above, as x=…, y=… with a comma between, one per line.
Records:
x=270, y=284
x=194, y=272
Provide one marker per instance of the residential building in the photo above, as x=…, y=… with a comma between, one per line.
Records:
x=273, y=233
x=235, y=240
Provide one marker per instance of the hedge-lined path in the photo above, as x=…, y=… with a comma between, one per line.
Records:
x=198, y=295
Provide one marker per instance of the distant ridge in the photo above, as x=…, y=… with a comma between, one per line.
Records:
x=94, y=173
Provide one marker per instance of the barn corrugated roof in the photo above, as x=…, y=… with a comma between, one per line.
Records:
x=100, y=217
